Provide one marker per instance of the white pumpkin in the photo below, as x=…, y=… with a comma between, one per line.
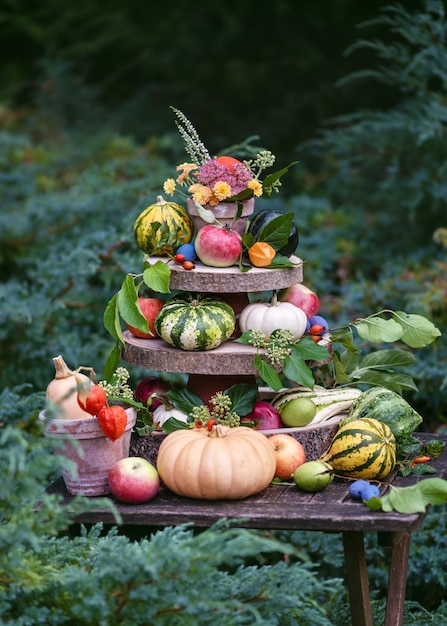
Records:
x=162, y=413
x=273, y=315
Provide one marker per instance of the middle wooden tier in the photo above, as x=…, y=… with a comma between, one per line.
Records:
x=230, y=358
x=231, y=279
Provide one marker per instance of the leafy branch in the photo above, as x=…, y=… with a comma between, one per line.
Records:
x=379, y=368
x=124, y=305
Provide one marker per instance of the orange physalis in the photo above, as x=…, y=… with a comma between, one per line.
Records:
x=261, y=254
x=113, y=421
x=92, y=398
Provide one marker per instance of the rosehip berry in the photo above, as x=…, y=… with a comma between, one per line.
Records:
x=316, y=329
x=188, y=265
x=179, y=258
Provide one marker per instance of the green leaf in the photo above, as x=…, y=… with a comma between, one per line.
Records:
x=128, y=305
x=157, y=277
x=415, y=498
x=346, y=339
x=418, y=331
x=270, y=179
x=184, y=400
x=268, y=374
x=341, y=373
x=348, y=359
x=247, y=240
x=388, y=358
x=296, y=370
x=205, y=214
x=277, y=231
x=172, y=424
x=281, y=261
x=111, y=319
x=112, y=362
x=379, y=378
x=243, y=398
x=378, y=330
x=307, y=349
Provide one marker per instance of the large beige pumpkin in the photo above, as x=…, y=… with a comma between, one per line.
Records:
x=224, y=464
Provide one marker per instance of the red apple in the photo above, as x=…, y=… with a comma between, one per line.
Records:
x=149, y=307
x=302, y=297
x=148, y=389
x=290, y=454
x=134, y=480
x=263, y=417
x=217, y=246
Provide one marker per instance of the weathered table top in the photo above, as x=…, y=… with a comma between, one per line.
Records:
x=280, y=506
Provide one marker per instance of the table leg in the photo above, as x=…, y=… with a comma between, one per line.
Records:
x=357, y=578
x=397, y=581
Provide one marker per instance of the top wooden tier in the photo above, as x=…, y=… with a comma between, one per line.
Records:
x=230, y=279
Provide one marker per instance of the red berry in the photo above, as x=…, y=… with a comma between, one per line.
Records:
x=316, y=329
x=179, y=258
x=188, y=265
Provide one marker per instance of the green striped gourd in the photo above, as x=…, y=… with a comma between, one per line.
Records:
x=364, y=448
x=329, y=402
x=191, y=321
x=162, y=228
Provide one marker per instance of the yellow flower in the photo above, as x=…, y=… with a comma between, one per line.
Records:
x=169, y=186
x=185, y=169
x=200, y=193
x=222, y=190
x=256, y=186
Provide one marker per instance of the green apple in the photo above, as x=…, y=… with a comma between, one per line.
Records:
x=297, y=412
x=313, y=476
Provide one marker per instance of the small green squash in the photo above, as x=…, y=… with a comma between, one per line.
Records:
x=364, y=448
x=162, y=228
x=192, y=321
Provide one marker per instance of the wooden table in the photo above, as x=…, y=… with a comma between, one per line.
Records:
x=286, y=507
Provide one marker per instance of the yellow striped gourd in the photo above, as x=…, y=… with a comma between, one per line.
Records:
x=364, y=448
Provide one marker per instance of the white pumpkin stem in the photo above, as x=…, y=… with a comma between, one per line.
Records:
x=274, y=300
x=160, y=201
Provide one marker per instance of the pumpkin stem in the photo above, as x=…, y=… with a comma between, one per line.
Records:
x=274, y=300
x=62, y=369
x=160, y=200
x=219, y=430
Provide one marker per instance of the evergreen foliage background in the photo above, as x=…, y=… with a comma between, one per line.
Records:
x=87, y=139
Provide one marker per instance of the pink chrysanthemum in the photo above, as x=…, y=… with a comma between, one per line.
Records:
x=213, y=172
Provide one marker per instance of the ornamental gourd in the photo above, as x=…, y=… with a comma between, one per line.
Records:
x=62, y=391
x=162, y=227
x=273, y=315
x=221, y=464
x=364, y=448
x=191, y=321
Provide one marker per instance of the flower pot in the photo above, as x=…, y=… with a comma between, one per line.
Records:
x=83, y=442
x=225, y=213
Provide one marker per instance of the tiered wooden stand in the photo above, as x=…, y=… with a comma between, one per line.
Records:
x=231, y=363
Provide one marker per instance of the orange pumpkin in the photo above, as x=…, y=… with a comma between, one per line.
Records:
x=221, y=464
